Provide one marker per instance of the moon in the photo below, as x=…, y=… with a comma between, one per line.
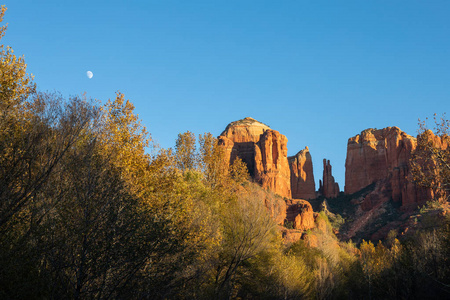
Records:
x=89, y=74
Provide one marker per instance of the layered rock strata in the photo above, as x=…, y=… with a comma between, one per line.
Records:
x=263, y=150
x=302, y=176
x=239, y=139
x=328, y=188
x=382, y=156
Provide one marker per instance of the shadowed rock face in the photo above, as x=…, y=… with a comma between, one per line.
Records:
x=328, y=187
x=302, y=176
x=262, y=149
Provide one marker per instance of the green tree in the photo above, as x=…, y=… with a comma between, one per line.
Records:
x=247, y=231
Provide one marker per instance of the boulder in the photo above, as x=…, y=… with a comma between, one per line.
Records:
x=301, y=214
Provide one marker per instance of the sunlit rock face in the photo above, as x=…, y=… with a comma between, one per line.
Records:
x=302, y=175
x=240, y=138
x=300, y=214
x=328, y=187
x=262, y=149
x=382, y=156
x=373, y=154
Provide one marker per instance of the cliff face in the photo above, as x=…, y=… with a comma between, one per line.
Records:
x=328, y=187
x=382, y=156
x=302, y=176
x=239, y=139
x=263, y=150
x=271, y=164
x=373, y=155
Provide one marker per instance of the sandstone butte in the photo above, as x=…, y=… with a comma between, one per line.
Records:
x=263, y=150
x=328, y=188
x=382, y=157
x=302, y=176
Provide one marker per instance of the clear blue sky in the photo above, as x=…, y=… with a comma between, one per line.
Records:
x=317, y=71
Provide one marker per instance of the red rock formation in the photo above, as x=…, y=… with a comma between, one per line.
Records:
x=328, y=188
x=373, y=155
x=301, y=214
x=382, y=156
x=239, y=139
x=263, y=150
x=302, y=176
x=271, y=164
